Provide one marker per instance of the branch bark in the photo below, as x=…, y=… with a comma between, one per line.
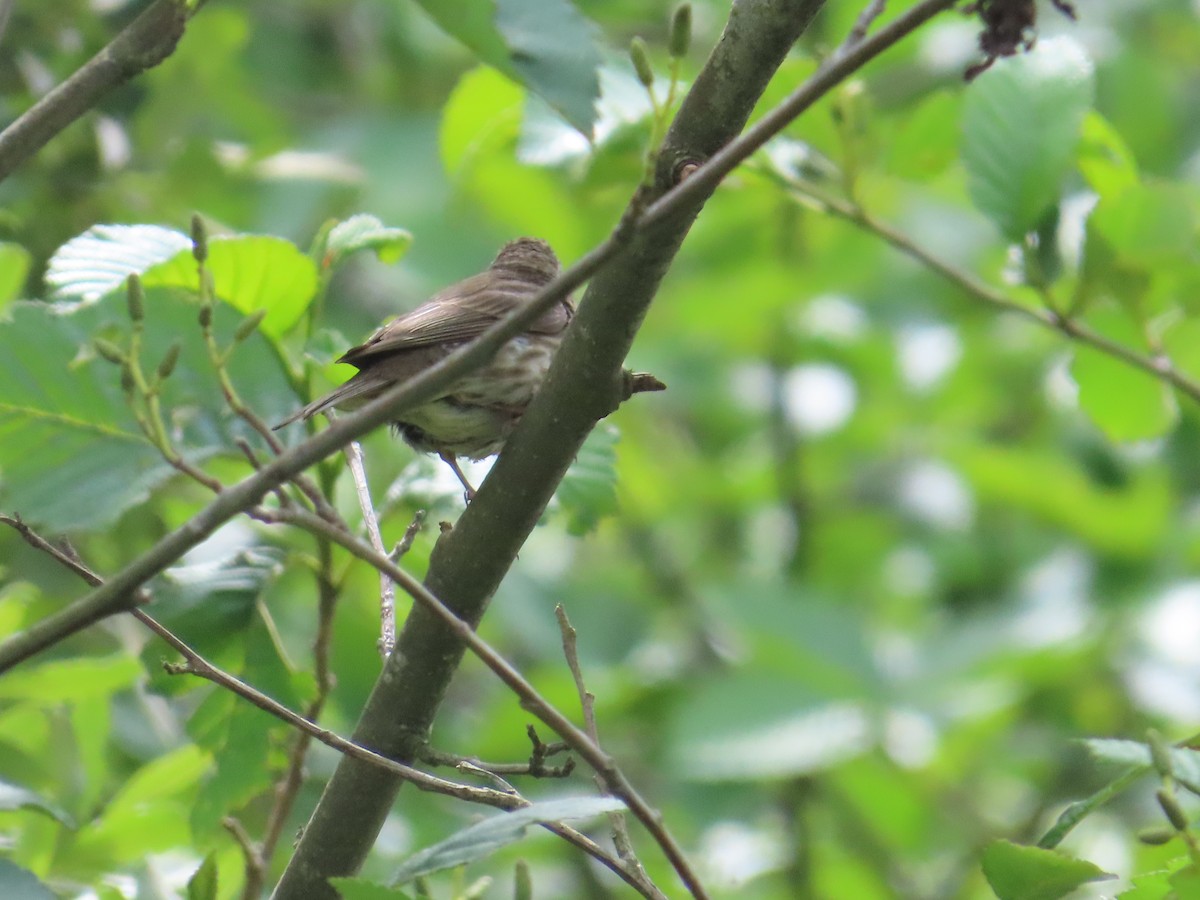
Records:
x=584, y=385
x=141, y=45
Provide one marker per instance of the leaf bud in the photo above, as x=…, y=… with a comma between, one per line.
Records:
x=249, y=325
x=641, y=61
x=199, y=239
x=128, y=383
x=205, y=317
x=135, y=297
x=1156, y=837
x=1160, y=753
x=1171, y=808
x=109, y=351
x=167, y=366
x=680, y=38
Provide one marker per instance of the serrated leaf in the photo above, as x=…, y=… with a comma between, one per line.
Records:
x=71, y=454
x=21, y=884
x=14, y=268
x=364, y=232
x=1127, y=403
x=98, y=261
x=1021, y=125
x=588, y=491
x=488, y=836
x=361, y=889
x=13, y=797
x=1031, y=873
x=546, y=45
x=203, y=884
x=250, y=272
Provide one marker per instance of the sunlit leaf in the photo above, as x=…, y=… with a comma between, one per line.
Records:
x=203, y=884
x=14, y=267
x=365, y=232
x=13, y=797
x=1127, y=403
x=1030, y=873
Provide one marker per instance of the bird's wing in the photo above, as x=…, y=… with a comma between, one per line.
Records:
x=458, y=313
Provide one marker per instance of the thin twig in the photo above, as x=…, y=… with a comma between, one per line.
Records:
x=387, y=589
x=587, y=702
x=195, y=664
x=410, y=534
x=614, y=779
x=143, y=44
x=535, y=767
x=1158, y=366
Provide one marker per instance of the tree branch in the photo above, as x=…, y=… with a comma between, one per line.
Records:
x=141, y=45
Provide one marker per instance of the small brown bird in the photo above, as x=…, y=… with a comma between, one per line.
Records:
x=474, y=416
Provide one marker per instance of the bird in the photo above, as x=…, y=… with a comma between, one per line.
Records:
x=473, y=416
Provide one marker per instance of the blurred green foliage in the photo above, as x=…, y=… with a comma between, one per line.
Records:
x=848, y=594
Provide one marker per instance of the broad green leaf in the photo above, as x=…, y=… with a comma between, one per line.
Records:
x=1031, y=873
x=495, y=832
x=1146, y=226
x=1127, y=403
x=1151, y=886
x=241, y=769
x=71, y=679
x=588, y=491
x=203, y=885
x=484, y=111
x=13, y=797
x=1105, y=162
x=14, y=268
x=547, y=45
x=98, y=261
x=250, y=272
x=926, y=139
x=71, y=454
x=364, y=232
x=1128, y=523
x=1021, y=123
x=21, y=884
x=361, y=889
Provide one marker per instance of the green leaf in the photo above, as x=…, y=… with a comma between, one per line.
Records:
x=1185, y=763
x=72, y=679
x=1127, y=403
x=364, y=232
x=1146, y=226
x=21, y=884
x=250, y=272
x=1021, y=124
x=1031, y=873
x=13, y=797
x=203, y=884
x=588, y=491
x=98, y=261
x=483, y=111
x=14, y=268
x=546, y=45
x=488, y=836
x=71, y=455
x=1105, y=162
x=361, y=889
x=1182, y=343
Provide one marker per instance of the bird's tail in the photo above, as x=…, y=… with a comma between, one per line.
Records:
x=338, y=397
